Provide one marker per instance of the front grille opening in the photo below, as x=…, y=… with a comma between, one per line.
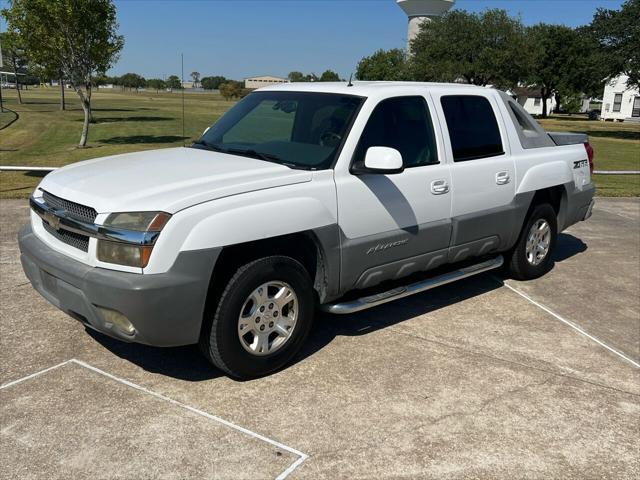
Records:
x=72, y=209
x=76, y=240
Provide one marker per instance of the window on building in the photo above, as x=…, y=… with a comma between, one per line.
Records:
x=537, y=101
x=635, y=112
x=402, y=123
x=617, y=102
x=473, y=127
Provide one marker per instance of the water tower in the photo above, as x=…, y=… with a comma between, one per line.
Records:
x=420, y=11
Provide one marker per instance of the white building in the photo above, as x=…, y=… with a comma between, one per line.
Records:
x=620, y=102
x=263, y=81
x=531, y=100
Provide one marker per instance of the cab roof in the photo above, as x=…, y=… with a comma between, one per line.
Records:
x=366, y=89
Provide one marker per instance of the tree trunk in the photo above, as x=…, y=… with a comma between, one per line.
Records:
x=85, y=102
x=544, y=94
x=15, y=72
x=62, y=105
x=557, y=108
x=88, y=90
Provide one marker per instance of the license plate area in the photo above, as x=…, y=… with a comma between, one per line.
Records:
x=49, y=283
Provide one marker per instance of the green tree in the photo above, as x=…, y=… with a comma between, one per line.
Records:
x=563, y=62
x=480, y=48
x=14, y=57
x=618, y=34
x=132, y=80
x=79, y=36
x=212, y=83
x=156, y=83
x=231, y=89
x=174, y=83
x=383, y=65
x=195, y=76
x=329, y=76
x=296, y=76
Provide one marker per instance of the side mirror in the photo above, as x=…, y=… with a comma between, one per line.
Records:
x=380, y=160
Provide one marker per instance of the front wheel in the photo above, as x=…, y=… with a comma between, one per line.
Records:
x=262, y=318
x=532, y=256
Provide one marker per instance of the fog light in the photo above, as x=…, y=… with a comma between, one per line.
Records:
x=118, y=320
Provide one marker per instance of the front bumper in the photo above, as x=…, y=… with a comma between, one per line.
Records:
x=165, y=309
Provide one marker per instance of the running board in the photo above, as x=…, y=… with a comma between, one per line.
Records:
x=371, y=301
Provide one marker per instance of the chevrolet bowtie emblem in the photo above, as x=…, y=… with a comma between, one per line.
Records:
x=52, y=220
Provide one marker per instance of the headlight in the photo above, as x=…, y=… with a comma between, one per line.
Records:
x=123, y=253
x=138, y=221
x=132, y=235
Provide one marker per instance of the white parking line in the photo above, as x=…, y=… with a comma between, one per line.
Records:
x=301, y=456
x=572, y=325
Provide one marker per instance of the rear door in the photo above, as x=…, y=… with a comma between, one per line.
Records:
x=482, y=173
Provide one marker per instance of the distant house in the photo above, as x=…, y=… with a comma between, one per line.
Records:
x=620, y=102
x=263, y=81
x=531, y=100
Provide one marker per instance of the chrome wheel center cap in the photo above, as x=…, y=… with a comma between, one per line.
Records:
x=268, y=317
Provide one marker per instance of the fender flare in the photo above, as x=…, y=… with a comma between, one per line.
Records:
x=544, y=176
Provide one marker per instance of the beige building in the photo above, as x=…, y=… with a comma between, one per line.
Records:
x=262, y=81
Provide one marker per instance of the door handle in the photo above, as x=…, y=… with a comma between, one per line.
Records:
x=502, y=178
x=439, y=187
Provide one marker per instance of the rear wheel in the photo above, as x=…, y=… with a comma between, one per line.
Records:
x=261, y=319
x=532, y=256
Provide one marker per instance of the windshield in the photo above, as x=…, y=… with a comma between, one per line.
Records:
x=297, y=129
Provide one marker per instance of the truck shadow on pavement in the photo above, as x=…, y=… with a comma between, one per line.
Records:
x=186, y=363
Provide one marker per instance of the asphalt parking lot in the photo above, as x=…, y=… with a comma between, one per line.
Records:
x=479, y=379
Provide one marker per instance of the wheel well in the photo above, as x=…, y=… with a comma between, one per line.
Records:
x=552, y=195
x=302, y=247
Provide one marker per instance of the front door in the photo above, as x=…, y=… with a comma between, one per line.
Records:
x=395, y=225
x=482, y=174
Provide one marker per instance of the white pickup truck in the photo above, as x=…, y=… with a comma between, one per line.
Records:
x=333, y=195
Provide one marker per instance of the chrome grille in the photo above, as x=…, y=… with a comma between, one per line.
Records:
x=76, y=240
x=74, y=210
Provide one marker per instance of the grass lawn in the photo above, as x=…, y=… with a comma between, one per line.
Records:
x=126, y=122
x=616, y=147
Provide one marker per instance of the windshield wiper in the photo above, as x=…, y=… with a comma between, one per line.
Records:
x=209, y=146
x=267, y=157
x=250, y=152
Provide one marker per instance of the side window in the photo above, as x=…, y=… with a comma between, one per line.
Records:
x=402, y=123
x=617, y=102
x=473, y=128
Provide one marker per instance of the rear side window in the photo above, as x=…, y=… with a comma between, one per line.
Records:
x=402, y=123
x=473, y=128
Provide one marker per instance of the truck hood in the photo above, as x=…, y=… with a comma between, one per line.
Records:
x=168, y=180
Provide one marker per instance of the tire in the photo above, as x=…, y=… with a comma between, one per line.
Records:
x=521, y=264
x=238, y=310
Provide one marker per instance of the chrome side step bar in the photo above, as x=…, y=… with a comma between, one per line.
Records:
x=371, y=301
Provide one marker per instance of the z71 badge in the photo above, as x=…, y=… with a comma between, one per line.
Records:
x=580, y=164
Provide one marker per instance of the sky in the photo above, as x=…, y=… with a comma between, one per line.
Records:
x=242, y=38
